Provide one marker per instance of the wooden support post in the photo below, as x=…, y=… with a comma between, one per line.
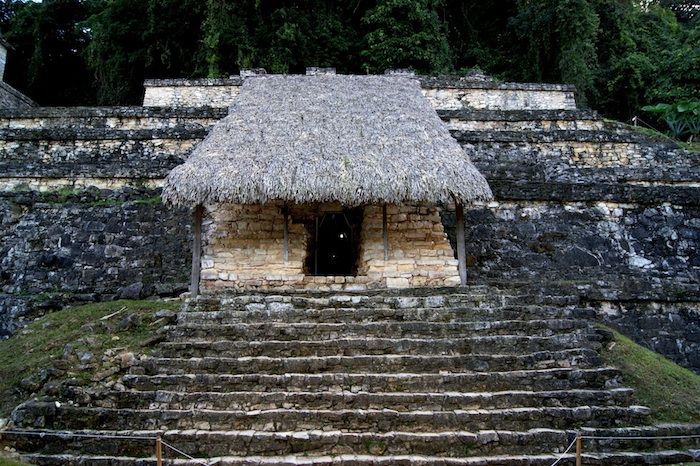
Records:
x=461, y=247
x=385, y=233
x=316, y=247
x=159, y=452
x=196, y=251
x=286, y=233
x=578, y=449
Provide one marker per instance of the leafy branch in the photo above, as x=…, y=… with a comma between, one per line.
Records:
x=682, y=117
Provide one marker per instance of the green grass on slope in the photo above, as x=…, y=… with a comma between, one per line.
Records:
x=672, y=392
x=75, y=343
x=10, y=462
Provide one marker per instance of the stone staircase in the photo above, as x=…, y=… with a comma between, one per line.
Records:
x=440, y=377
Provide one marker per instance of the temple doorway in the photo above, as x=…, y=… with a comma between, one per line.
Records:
x=336, y=243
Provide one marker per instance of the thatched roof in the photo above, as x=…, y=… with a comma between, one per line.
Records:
x=328, y=138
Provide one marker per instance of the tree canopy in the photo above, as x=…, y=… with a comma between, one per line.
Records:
x=620, y=54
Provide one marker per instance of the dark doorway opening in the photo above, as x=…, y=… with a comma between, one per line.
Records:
x=336, y=243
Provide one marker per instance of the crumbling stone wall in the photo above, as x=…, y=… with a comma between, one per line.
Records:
x=51, y=148
x=243, y=247
x=419, y=252
x=80, y=214
x=60, y=248
x=590, y=209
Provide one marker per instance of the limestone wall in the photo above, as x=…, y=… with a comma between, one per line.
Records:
x=60, y=248
x=243, y=247
x=182, y=93
x=500, y=97
x=51, y=148
x=448, y=93
x=419, y=252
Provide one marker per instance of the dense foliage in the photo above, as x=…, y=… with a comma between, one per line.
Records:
x=621, y=54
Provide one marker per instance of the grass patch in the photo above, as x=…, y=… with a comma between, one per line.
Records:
x=149, y=200
x=693, y=146
x=75, y=342
x=672, y=392
x=690, y=146
x=11, y=462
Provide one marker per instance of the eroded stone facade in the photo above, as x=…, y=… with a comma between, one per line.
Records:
x=243, y=247
x=419, y=252
x=443, y=94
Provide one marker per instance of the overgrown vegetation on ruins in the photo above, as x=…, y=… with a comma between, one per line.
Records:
x=78, y=346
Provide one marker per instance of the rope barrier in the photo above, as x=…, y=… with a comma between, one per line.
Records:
x=76, y=435
x=666, y=437
x=184, y=454
x=64, y=435
x=565, y=452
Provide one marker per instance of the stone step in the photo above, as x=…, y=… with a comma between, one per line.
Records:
x=287, y=312
x=474, y=297
x=532, y=380
x=251, y=401
x=412, y=329
x=386, y=377
x=109, y=117
x=601, y=137
x=267, y=446
x=67, y=417
x=202, y=444
x=607, y=459
x=344, y=346
x=430, y=364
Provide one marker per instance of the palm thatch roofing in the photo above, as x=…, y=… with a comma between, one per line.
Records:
x=328, y=138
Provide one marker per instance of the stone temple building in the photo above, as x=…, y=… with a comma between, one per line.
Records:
x=327, y=179
x=328, y=190
x=580, y=204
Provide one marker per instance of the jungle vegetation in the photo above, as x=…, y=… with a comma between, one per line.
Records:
x=621, y=54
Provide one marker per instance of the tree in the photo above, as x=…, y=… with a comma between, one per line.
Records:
x=686, y=11
x=173, y=38
x=49, y=39
x=478, y=35
x=558, y=38
x=651, y=58
x=577, y=29
x=117, y=52
x=406, y=34
x=226, y=42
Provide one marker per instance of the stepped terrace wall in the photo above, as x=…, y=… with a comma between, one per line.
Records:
x=80, y=212
x=51, y=148
x=583, y=207
x=606, y=213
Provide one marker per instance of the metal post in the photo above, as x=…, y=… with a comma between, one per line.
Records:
x=159, y=452
x=385, y=233
x=461, y=247
x=196, y=251
x=578, y=449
